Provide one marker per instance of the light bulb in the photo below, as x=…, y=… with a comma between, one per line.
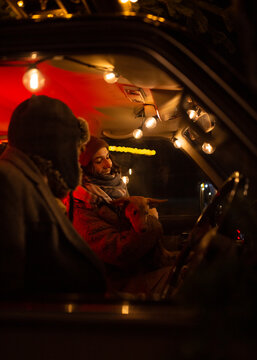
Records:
x=133, y=1
x=177, y=143
x=124, y=1
x=137, y=133
x=150, y=122
x=110, y=77
x=130, y=171
x=208, y=148
x=191, y=114
x=34, y=55
x=33, y=80
x=125, y=179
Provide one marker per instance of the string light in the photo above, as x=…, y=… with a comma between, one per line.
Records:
x=137, y=133
x=192, y=114
x=150, y=122
x=126, y=1
x=33, y=80
x=208, y=148
x=177, y=143
x=110, y=77
x=150, y=115
x=125, y=179
x=131, y=150
x=125, y=309
x=34, y=55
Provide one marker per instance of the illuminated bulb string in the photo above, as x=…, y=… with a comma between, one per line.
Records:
x=131, y=150
x=33, y=80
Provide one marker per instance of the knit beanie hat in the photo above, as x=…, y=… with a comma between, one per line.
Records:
x=92, y=147
x=47, y=127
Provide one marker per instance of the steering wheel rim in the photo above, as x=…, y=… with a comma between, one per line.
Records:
x=217, y=213
x=215, y=216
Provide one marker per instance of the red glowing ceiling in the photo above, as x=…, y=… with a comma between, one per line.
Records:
x=83, y=92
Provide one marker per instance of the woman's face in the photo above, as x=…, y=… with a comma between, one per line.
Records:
x=101, y=162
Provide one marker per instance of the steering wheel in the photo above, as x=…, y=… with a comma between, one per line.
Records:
x=219, y=215
x=222, y=210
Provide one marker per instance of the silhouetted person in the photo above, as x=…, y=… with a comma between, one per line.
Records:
x=39, y=249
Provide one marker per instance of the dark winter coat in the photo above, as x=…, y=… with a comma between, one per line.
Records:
x=40, y=251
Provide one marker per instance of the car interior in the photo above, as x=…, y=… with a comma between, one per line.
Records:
x=181, y=131
x=169, y=144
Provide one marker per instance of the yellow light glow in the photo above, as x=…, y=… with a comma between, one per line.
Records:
x=137, y=133
x=123, y=1
x=69, y=308
x=50, y=15
x=150, y=122
x=131, y=150
x=125, y=179
x=110, y=77
x=20, y=3
x=36, y=16
x=155, y=18
x=33, y=80
x=130, y=171
x=191, y=114
x=33, y=55
x=152, y=17
x=125, y=309
x=133, y=1
x=68, y=16
x=208, y=148
x=177, y=143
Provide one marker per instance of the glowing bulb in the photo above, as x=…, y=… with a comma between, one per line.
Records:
x=177, y=143
x=110, y=77
x=20, y=3
x=150, y=122
x=69, y=308
x=130, y=171
x=208, y=148
x=125, y=309
x=133, y=1
x=33, y=55
x=191, y=114
x=137, y=133
x=125, y=179
x=33, y=80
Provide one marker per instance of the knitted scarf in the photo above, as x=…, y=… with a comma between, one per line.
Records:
x=104, y=188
